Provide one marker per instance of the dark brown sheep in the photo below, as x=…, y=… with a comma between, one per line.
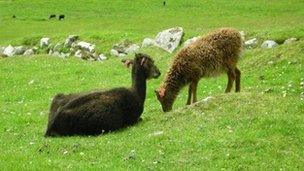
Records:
x=52, y=16
x=208, y=56
x=102, y=111
x=61, y=17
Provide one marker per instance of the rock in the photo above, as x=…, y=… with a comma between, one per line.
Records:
x=35, y=48
x=242, y=35
x=86, y=46
x=84, y=55
x=251, y=43
x=2, y=51
x=132, y=48
x=157, y=133
x=269, y=44
x=78, y=54
x=44, y=42
x=9, y=51
x=19, y=50
x=70, y=40
x=121, y=55
x=148, y=42
x=58, y=47
x=189, y=41
x=102, y=57
x=169, y=39
x=50, y=52
x=29, y=52
x=56, y=53
x=64, y=55
x=290, y=40
x=114, y=52
x=126, y=47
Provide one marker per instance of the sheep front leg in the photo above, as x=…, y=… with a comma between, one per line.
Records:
x=194, y=88
x=231, y=78
x=189, y=94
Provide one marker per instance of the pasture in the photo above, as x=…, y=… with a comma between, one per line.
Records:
x=260, y=128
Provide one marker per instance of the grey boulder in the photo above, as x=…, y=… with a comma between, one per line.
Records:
x=9, y=51
x=169, y=39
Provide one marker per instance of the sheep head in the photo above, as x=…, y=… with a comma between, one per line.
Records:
x=164, y=98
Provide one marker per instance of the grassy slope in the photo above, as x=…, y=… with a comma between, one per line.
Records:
x=248, y=130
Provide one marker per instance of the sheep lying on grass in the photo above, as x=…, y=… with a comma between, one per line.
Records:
x=103, y=111
x=208, y=56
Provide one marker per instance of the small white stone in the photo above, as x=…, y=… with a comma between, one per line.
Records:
x=86, y=46
x=114, y=52
x=148, y=42
x=157, y=133
x=190, y=41
x=44, y=42
x=290, y=40
x=251, y=43
x=242, y=33
x=29, y=52
x=102, y=57
x=79, y=54
x=269, y=44
x=121, y=55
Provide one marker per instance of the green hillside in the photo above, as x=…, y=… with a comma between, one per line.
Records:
x=261, y=128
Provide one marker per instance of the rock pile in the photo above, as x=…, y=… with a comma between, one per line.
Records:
x=123, y=48
x=167, y=40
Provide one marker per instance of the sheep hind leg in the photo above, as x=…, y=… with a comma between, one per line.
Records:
x=231, y=78
x=237, y=80
x=189, y=94
x=194, y=88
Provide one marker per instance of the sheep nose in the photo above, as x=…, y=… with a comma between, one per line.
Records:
x=157, y=74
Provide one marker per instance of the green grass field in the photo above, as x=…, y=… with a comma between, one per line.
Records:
x=252, y=130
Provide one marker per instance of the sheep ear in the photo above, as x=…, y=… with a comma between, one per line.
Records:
x=127, y=62
x=143, y=60
x=161, y=92
x=157, y=94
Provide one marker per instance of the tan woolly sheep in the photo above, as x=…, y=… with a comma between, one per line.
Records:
x=216, y=53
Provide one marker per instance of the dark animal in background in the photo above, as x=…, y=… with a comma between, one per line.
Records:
x=14, y=16
x=61, y=17
x=103, y=111
x=164, y=3
x=52, y=16
x=209, y=56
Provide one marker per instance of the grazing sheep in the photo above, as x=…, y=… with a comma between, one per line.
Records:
x=208, y=56
x=52, y=16
x=103, y=111
x=61, y=17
